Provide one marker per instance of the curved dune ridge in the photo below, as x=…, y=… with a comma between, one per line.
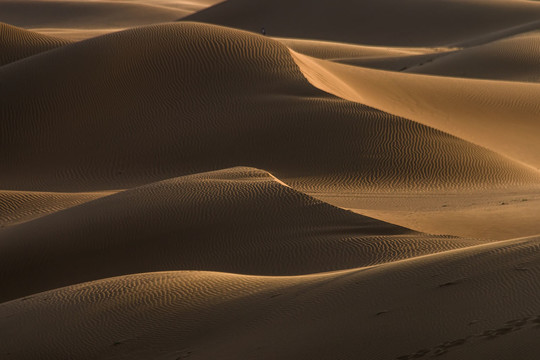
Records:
x=360, y=183
x=385, y=22
x=240, y=220
x=17, y=43
x=191, y=88
x=484, y=296
x=474, y=110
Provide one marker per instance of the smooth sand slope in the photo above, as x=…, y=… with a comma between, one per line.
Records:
x=477, y=303
x=202, y=97
x=16, y=43
x=240, y=220
x=474, y=110
x=384, y=22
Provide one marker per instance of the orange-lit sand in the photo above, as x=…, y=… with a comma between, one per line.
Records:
x=363, y=183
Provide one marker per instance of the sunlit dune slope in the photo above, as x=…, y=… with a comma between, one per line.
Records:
x=516, y=58
x=383, y=22
x=380, y=57
x=162, y=101
x=240, y=220
x=465, y=304
x=16, y=43
x=499, y=115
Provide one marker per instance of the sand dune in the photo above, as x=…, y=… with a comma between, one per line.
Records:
x=491, y=215
x=379, y=57
x=363, y=182
x=203, y=97
x=18, y=43
x=81, y=19
x=484, y=296
x=474, y=110
x=91, y=14
x=385, y=22
x=515, y=58
x=240, y=220
x=20, y=206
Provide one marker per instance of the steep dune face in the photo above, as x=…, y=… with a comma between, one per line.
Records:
x=240, y=220
x=384, y=22
x=202, y=97
x=515, y=59
x=16, y=43
x=475, y=110
x=485, y=297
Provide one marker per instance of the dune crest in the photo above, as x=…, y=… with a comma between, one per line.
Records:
x=269, y=179
x=254, y=105
x=17, y=43
x=215, y=315
x=474, y=110
x=237, y=220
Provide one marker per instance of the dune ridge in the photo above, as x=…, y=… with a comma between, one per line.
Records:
x=481, y=117
x=207, y=315
x=20, y=206
x=361, y=182
x=17, y=43
x=161, y=100
x=239, y=220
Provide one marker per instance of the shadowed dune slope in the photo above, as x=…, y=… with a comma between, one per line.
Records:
x=485, y=297
x=20, y=206
x=240, y=220
x=383, y=22
x=202, y=97
x=84, y=14
x=516, y=58
x=475, y=110
x=16, y=43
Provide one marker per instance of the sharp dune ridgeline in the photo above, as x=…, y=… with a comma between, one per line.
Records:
x=269, y=179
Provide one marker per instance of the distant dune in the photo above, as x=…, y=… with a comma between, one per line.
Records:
x=383, y=22
x=249, y=179
x=17, y=43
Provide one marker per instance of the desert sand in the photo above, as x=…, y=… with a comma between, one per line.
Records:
x=362, y=182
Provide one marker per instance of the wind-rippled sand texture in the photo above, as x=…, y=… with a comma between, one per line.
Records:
x=182, y=190
x=20, y=206
x=240, y=220
x=16, y=43
x=202, y=97
x=464, y=304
